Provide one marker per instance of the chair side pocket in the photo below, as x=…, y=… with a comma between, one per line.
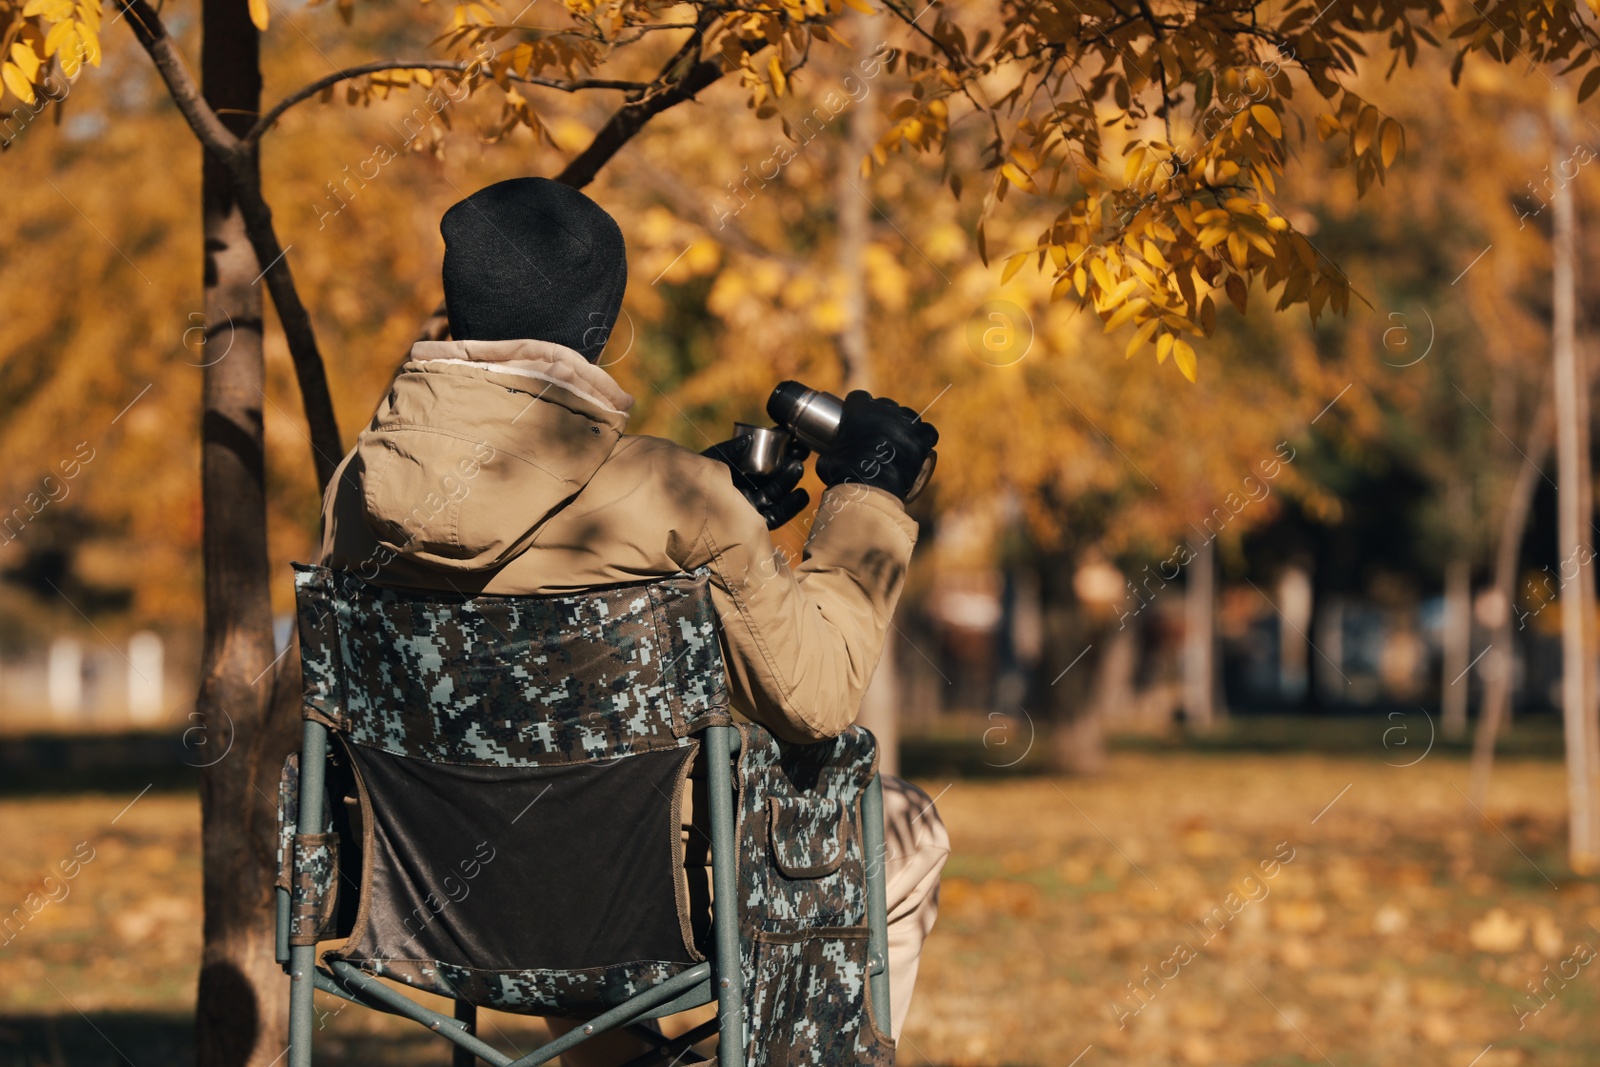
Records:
x=808, y=1002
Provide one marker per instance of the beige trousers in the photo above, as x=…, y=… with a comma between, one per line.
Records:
x=917, y=845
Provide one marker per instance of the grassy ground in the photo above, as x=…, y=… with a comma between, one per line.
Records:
x=1397, y=926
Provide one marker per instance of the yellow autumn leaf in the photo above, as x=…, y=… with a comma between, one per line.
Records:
x=1239, y=249
x=259, y=14
x=1268, y=119
x=1126, y=313
x=1260, y=242
x=1389, y=141
x=53, y=40
x=1366, y=127
x=1130, y=169
x=89, y=43
x=774, y=67
x=1140, y=336
x=1302, y=249
x=1118, y=295
x=18, y=84
x=1013, y=265
x=1183, y=356
x=1164, y=347
x=69, y=49
x=26, y=59
x=53, y=10
x=1023, y=155
x=1018, y=177
x=1102, y=277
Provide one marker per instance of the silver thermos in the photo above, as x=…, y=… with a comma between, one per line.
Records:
x=809, y=416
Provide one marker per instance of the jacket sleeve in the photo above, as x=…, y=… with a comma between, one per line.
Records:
x=801, y=642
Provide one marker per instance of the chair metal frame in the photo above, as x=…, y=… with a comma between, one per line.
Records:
x=719, y=979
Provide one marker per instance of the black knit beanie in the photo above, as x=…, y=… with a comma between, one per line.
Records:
x=532, y=258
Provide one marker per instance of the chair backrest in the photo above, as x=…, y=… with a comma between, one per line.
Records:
x=518, y=762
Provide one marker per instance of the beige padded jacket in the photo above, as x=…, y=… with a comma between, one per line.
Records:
x=503, y=468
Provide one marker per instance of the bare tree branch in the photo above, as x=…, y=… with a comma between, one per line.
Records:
x=152, y=35
x=631, y=117
x=305, y=92
x=236, y=155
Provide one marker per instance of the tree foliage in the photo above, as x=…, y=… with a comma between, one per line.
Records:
x=1159, y=132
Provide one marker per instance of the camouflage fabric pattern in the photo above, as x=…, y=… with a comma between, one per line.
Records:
x=288, y=817
x=807, y=1001
x=289, y=837
x=318, y=632
x=512, y=681
x=571, y=993
x=791, y=802
x=313, y=889
x=808, y=835
x=803, y=906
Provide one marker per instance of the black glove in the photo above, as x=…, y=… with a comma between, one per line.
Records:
x=773, y=495
x=879, y=443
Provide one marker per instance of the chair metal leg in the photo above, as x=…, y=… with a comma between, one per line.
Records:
x=352, y=985
x=303, y=958
x=671, y=1052
x=877, y=902
x=725, y=898
x=280, y=939
x=467, y=1015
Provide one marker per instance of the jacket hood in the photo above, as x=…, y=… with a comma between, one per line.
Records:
x=478, y=443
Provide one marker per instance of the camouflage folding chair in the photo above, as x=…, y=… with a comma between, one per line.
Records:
x=497, y=821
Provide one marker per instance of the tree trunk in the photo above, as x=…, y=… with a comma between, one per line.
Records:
x=1457, y=646
x=1079, y=740
x=242, y=1004
x=1071, y=650
x=1113, y=678
x=880, y=707
x=1501, y=661
x=1578, y=689
x=1200, y=639
x=1328, y=681
x=855, y=231
x=1295, y=603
